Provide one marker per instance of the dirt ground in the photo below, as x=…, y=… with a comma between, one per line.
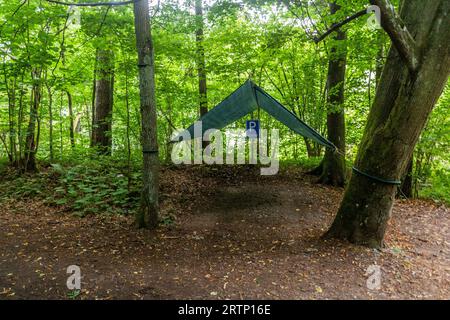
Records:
x=236, y=235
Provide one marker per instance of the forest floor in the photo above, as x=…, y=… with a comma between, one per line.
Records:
x=236, y=235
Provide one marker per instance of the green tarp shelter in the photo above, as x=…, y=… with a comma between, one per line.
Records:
x=247, y=98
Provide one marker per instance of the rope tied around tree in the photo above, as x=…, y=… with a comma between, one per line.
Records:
x=377, y=179
x=150, y=151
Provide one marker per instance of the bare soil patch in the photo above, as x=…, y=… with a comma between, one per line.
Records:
x=236, y=235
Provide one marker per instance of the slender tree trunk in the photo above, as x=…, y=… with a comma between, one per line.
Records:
x=169, y=146
x=12, y=121
x=308, y=147
x=148, y=213
x=295, y=147
x=11, y=93
x=404, y=101
x=312, y=148
x=127, y=105
x=87, y=115
x=38, y=133
x=94, y=82
x=50, y=116
x=332, y=169
x=201, y=65
x=71, y=118
x=101, y=130
x=61, y=144
x=19, y=124
x=30, y=141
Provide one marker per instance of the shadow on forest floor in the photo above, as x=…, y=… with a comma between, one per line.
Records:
x=236, y=235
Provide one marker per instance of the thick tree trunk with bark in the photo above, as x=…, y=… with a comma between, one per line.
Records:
x=102, y=118
x=332, y=169
x=409, y=88
x=148, y=214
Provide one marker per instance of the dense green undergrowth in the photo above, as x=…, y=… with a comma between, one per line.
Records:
x=438, y=187
x=96, y=186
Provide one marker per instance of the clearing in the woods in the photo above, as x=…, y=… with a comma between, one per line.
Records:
x=235, y=235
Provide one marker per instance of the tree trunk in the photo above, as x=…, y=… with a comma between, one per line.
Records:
x=71, y=129
x=61, y=142
x=148, y=214
x=169, y=146
x=30, y=140
x=128, y=123
x=94, y=82
x=12, y=130
x=333, y=163
x=87, y=116
x=22, y=91
x=312, y=149
x=102, y=124
x=309, y=148
x=50, y=116
x=201, y=65
x=404, y=100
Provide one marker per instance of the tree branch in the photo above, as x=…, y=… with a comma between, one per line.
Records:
x=92, y=4
x=167, y=118
x=340, y=24
x=399, y=34
x=13, y=14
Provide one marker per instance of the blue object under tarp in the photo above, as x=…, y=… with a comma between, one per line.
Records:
x=247, y=98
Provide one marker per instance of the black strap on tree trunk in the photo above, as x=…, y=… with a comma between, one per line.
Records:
x=377, y=179
x=150, y=151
